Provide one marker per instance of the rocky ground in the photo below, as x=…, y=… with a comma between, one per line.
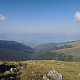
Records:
x=39, y=70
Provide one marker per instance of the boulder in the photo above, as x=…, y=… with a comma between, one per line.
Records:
x=55, y=75
x=13, y=70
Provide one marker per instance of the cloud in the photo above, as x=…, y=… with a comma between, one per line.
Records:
x=77, y=16
x=2, y=17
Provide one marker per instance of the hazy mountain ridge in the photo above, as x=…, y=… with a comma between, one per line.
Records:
x=13, y=45
x=11, y=50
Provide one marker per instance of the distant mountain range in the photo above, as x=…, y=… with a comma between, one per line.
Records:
x=67, y=51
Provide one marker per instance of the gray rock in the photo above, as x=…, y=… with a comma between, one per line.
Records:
x=45, y=77
x=13, y=70
x=54, y=74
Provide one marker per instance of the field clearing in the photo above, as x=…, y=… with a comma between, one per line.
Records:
x=35, y=69
x=70, y=70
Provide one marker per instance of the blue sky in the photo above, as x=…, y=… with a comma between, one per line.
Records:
x=39, y=16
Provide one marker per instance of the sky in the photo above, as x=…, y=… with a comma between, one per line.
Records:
x=48, y=17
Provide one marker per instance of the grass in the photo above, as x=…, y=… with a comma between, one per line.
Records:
x=75, y=51
x=35, y=69
x=70, y=71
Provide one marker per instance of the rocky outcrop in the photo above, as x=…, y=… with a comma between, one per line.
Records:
x=54, y=74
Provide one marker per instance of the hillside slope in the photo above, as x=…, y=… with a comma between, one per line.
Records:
x=69, y=51
x=13, y=45
x=11, y=50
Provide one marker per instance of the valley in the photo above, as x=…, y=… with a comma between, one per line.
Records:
x=67, y=51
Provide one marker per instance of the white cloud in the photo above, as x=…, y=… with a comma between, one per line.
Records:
x=77, y=16
x=2, y=17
